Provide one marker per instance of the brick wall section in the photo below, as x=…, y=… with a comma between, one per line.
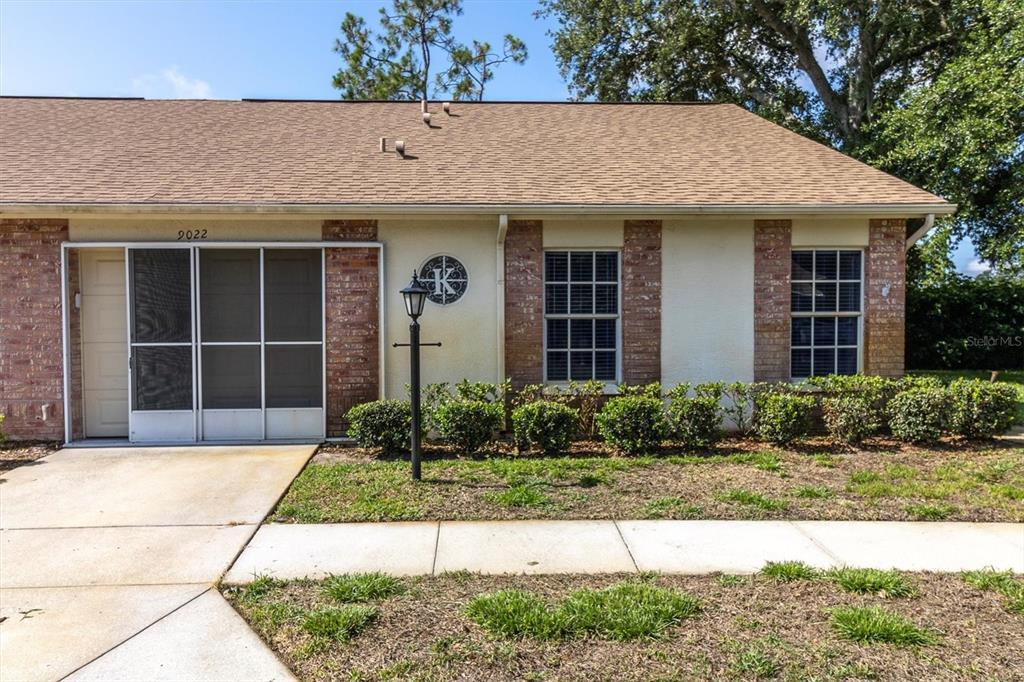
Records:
x=524, y=302
x=74, y=285
x=352, y=302
x=885, y=298
x=641, y=301
x=31, y=370
x=772, y=245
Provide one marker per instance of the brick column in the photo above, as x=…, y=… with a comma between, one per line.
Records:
x=31, y=366
x=524, y=302
x=772, y=263
x=885, y=298
x=74, y=284
x=352, y=302
x=641, y=301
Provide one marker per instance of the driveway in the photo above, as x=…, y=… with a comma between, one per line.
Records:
x=108, y=557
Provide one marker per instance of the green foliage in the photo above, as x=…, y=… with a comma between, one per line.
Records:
x=739, y=404
x=633, y=424
x=545, y=425
x=515, y=614
x=519, y=496
x=850, y=418
x=695, y=421
x=980, y=409
x=789, y=571
x=759, y=660
x=752, y=499
x=814, y=492
x=584, y=397
x=919, y=415
x=2, y=436
x=468, y=424
x=872, y=581
x=875, y=625
x=339, y=624
x=930, y=512
x=783, y=417
x=671, y=508
x=651, y=390
x=1003, y=582
x=361, y=587
x=382, y=424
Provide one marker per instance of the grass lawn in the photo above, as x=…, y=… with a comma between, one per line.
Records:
x=821, y=626
x=738, y=479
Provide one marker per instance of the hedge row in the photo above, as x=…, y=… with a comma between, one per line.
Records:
x=640, y=418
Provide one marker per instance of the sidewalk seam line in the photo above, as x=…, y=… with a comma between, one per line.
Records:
x=437, y=541
x=817, y=543
x=626, y=545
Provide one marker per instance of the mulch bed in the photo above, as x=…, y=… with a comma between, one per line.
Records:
x=14, y=454
x=423, y=635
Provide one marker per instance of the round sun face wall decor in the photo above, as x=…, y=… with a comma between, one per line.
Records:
x=446, y=277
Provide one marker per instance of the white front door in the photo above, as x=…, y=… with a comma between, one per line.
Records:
x=104, y=349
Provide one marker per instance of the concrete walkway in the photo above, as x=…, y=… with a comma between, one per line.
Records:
x=690, y=547
x=108, y=557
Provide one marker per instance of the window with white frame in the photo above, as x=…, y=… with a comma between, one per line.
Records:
x=581, y=315
x=826, y=312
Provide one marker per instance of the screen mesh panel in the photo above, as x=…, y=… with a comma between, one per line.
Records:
x=231, y=377
x=229, y=294
x=292, y=283
x=162, y=378
x=161, y=295
x=293, y=376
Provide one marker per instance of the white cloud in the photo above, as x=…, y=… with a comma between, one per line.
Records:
x=975, y=267
x=171, y=84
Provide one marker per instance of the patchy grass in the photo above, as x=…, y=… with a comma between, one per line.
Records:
x=814, y=492
x=752, y=499
x=1003, y=582
x=789, y=571
x=524, y=495
x=872, y=581
x=930, y=512
x=361, y=587
x=671, y=508
x=875, y=625
x=576, y=628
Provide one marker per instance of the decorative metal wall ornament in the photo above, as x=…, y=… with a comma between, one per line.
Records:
x=446, y=277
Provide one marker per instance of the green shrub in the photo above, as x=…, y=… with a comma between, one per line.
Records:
x=919, y=415
x=981, y=409
x=633, y=424
x=738, y=407
x=545, y=425
x=850, y=417
x=381, y=424
x=2, y=436
x=783, y=417
x=695, y=421
x=652, y=390
x=468, y=424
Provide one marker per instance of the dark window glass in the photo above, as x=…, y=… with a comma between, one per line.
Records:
x=294, y=376
x=816, y=340
x=556, y=266
x=558, y=333
x=556, y=299
x=824, y=298
x=231, y=377
x=604, y=334
x=825, y=264
x=558, y=366
x=802, y=298
x=229, y=295
x=162, y=377
x=800, y=362
x=824, y=361
x=581, y=267
x=581, y=334
x=606, y=299
x=803, y=265
x=849, y=265
x=847, y=331
x=581, y=299
x=800, y=331
x=849, y=297
x=292, y=283
x=846, y=361
x=606, y=266
x=604, y=365
x=824, y=331
x=581, y=365
x=161, y=282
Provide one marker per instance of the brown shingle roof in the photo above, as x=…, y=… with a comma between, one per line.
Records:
x=84, y=151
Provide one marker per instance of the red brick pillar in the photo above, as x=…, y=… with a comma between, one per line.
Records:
x=31, y=363
x=641, y=301
x=885, y=298
x=352, y=302
x=74, y=285
x=772, y=245
x=524, y=302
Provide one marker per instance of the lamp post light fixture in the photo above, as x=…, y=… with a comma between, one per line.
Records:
x=415, y=298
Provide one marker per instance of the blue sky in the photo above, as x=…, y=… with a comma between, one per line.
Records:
x=235, y=49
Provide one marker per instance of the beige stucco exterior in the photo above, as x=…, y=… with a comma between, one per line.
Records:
x=582, y=233
x=168, y=229
x=826, y=231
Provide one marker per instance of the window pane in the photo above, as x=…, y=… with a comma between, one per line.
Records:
x=800, y=331
x=847, y=332
x=849, y=297
x=606, y=267
x=581, y=299
x=556, y=266
x=294, y=376
x=161, y=296
x=604, y=365
x=825, y=298
x=292, y=282
x=606, y=299
x=581, y=334
x=231, y=377
x=162, y=377
x=581, y=365
x=558, y=333
x=846, y=361
x=825, y=264
x=581, y=267
x=803, y=265
x=604, y=334
x=802, y=297
x=229, y=294
x=824, y=361
x=849, y=265
x=800, y=362
x=824, y=331
x=556, y=299
x=558, y=366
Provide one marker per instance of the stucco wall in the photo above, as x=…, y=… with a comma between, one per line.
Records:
x=583, y=233
x=826, y=231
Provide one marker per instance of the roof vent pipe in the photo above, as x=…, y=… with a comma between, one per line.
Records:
x=400, y=148
x=426, y=118
x=383, y=144
x=423, y=106
x=447, y=106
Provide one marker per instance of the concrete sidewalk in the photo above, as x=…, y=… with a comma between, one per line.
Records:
x=688, y=547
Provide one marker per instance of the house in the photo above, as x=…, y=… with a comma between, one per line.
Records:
x=229, y=270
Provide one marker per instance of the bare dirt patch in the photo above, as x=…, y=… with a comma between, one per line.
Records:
x=14, y=454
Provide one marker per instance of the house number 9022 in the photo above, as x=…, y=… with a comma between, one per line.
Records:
x=190, y=235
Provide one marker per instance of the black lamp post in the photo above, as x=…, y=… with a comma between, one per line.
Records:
x=415, y=297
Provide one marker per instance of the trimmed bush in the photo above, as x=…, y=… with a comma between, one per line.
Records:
x=544, y=425
x=919, y=415
x=782, y=418
x=633, y=424
x=695, y=421
x=981, y=409
x=850, y=418
x=381, y=424
x=468, y=424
